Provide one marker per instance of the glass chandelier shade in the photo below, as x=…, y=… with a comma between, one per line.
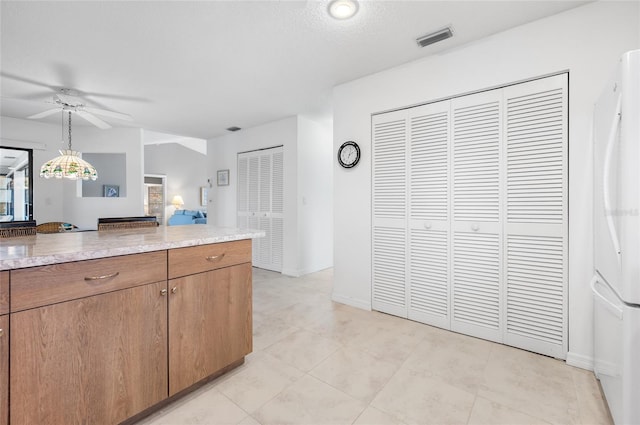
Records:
x=68, y=165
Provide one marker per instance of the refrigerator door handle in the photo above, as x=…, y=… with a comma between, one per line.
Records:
x=617, y=311
x=608, y=212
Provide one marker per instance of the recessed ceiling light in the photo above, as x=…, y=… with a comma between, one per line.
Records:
x=343, y=9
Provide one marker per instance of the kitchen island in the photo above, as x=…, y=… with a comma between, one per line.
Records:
x=105, y=327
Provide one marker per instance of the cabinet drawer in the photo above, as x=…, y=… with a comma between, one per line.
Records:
x=39, y=286
x=201, y=258
x=4, y=292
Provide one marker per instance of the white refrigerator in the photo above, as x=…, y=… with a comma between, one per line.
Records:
x=616, y=282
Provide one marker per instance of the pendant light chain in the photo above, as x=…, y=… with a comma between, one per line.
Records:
x=69, y=130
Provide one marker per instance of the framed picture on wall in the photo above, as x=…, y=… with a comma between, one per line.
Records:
x=110, y=191
x=223, y=177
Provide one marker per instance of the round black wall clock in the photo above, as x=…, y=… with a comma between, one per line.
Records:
x=349, y=154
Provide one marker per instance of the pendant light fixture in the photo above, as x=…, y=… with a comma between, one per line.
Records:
x=68, y=165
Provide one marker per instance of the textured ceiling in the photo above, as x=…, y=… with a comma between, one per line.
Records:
x=196, y=68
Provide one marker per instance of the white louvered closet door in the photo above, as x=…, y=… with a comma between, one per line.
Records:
x=389, y=135
x=536, y=215
x=260, y=203
x=429, y=224
x=243, y=195
x=476, y=249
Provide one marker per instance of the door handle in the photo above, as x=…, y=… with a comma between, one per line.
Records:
x=608, y=212
x=617, y=311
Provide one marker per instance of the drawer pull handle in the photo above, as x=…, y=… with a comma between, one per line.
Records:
x=215, y=257
x=107, y=276
x=1, y=332
x=174, y=290
x=163, y=292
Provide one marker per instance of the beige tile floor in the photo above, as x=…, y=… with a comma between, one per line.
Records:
x=320, y=362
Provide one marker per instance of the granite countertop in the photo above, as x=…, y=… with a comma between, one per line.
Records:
x=43, y=249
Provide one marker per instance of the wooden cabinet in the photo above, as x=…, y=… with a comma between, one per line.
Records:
x=94, y=360
x=99, y=341
x=4, y=369
x=210, y=323
x=44, y=285
x=4, y=292
x=4, y=348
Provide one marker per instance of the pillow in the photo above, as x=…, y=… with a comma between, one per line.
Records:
x=199, y=214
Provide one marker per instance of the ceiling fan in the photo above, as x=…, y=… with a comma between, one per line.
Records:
x=68, y=100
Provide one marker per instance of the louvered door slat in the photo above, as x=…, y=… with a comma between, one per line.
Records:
x=389, y=178
x=389, y=164
x=265, y=183
x=429, y=224
x=278, y=182
x=253, y=191
x=536, y=211
x=476, y=251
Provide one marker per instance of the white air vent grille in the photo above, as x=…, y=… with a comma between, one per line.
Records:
x=535, y=279
x=429, y=166
x=535, y=157
x=476, y=162
x=429, y=272
x=389, y=163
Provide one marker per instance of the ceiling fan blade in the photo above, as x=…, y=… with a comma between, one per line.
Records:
x=44, y=114
x=110, y=114
x=93, y=120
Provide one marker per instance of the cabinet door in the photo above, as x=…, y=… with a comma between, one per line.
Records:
x=210, y=323
x=4, y=292
x=4, y=370
x=96, y=360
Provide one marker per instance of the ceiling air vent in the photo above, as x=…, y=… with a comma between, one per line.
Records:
x=434, y=37
x=234, y=128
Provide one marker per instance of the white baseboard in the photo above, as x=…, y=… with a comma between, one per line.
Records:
x=364, y=305
x=579, y=360
x=291, y=272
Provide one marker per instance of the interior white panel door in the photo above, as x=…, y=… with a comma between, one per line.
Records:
x=536, y=215
x=429, y=224
x=476, y=249
x=389, y=135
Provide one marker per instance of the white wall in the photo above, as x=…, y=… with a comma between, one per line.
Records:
x=57, y=200
x=308, y=235
x=315, y=200
x=587, y=41
x=186, y=171
x=84, y=212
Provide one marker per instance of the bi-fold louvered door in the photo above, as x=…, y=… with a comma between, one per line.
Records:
x=470, y=214
x=260, y=203
x=536, y=229
x=429, y=224
x=389, y=233
x=476, y=248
